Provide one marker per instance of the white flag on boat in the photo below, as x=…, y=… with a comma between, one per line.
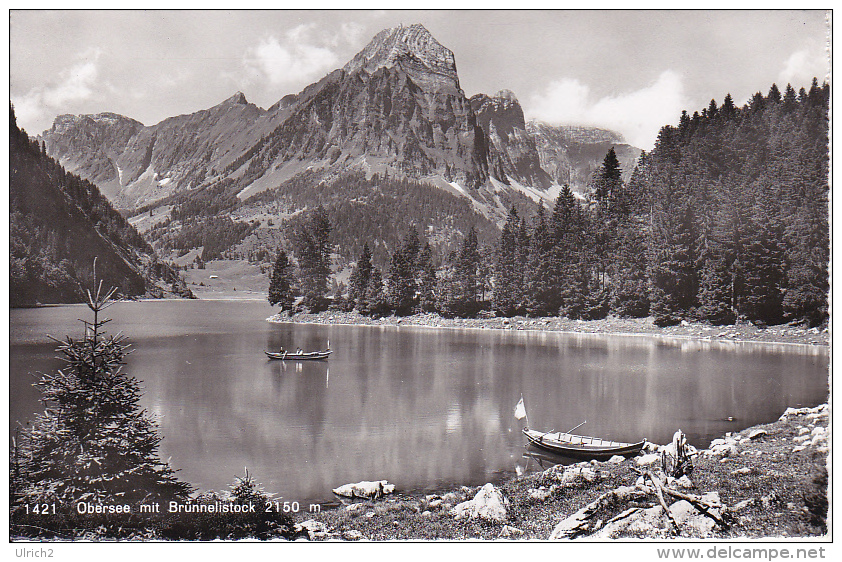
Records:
x=520, y=409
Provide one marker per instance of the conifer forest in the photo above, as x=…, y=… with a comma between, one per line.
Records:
x=725, y=220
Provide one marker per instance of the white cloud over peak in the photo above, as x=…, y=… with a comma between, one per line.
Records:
x=805, y=64
x=637, y=115
x=74, y=85
x=352, y=32
x=293, y=58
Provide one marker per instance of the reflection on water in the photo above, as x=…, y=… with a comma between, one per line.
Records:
x=422, y=408
x=537, y=459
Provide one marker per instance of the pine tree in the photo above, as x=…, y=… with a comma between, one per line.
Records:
x=672, y=267
x=630, y=290
x=94, y=442
x=608, y=178
x=728, y=110
x=764, y=265
x=447, y=288
x=280, y=285
x=712, y=111
x=630, y=296
x=467, y=274
x=507, y=275
x=684, y=124
x=571, y=263
x=360, y=276
x=790, y=99
x=376, y=303
x=774, y=94
x=715, y=293
x=312, y=241
x=402, y=273
x=609, y=206
x=541, y=291
x=521, y=265
x=426, y=280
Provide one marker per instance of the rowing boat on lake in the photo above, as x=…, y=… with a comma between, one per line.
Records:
x=303, y=356
x=581, y=446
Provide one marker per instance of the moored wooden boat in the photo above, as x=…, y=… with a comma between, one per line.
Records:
x=303, y=356
x=581, y=446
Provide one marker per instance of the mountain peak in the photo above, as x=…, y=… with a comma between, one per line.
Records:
x=66, y=122
x=415, y=51
x=237, y=99
x=506, y=95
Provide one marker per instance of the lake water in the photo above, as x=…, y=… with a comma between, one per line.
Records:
x=422, y=408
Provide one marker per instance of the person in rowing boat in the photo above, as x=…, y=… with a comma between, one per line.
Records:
x=299, y=351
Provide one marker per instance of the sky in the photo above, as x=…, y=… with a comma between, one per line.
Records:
x=628, y=71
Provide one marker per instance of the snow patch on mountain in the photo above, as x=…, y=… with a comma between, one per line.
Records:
x=546, y=195
x=458, y=188
x=277, y=175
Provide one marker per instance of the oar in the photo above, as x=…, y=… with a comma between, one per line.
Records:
x=577, y=427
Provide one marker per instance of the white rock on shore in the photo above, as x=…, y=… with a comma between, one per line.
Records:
x=488, y=504
x=757, y=434
x=315, y=529
x=648, y=460
x=653, y=521
x=365, y=489
x=817, y=411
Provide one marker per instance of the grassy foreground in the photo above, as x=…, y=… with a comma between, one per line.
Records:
x=771, y=478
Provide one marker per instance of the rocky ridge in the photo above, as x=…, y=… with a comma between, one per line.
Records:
x=570, y=154
x=427, y=62
x=514, y=153
x=396, y=107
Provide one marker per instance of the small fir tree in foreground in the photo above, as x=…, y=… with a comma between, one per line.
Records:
x=94, y=442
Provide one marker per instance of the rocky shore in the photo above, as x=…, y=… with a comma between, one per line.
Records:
x=767, y=481
x=741, y=332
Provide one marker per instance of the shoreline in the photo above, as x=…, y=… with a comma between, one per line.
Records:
x=765, y=479
x=744, y=333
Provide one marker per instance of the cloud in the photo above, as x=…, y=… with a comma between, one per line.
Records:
x=351, y=32
x=804, y=64
x=638, y=115
x=293, y=58
x=75, y=84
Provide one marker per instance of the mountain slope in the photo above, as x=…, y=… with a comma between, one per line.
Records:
x=570, y=154
x=137, y=164
x=59, y=224
x=90, y=145
x=394, y=112
x=396, y=107
x=515, y=154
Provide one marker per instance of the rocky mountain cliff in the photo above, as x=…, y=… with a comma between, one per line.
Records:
x=514, y=153
x=90, y=146
x=395, y=108
x=134, y=164
x=570, y=153
x=431, y=66
x=363, y=141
